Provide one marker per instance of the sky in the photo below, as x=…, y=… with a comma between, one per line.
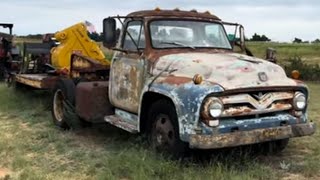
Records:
x=280, y=20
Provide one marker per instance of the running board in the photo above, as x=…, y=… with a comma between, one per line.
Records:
x=124, y=120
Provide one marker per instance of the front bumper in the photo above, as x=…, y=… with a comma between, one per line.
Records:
x=250, y=137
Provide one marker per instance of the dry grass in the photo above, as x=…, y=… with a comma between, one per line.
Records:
x=32, y=148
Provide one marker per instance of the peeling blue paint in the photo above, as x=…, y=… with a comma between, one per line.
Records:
x=188, y=99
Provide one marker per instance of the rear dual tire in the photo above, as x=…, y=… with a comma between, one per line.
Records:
x=63, y=94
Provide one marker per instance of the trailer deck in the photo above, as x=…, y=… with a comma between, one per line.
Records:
x=39, y=81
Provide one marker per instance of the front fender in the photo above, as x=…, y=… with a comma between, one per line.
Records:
x=187, y=99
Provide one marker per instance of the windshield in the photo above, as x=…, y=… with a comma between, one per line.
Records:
x=189, y=34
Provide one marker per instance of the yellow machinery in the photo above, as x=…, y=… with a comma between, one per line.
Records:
x=75, y=40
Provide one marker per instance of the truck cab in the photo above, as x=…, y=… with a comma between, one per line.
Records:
x=174, y=76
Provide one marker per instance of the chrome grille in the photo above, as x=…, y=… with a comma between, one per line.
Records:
x=256, y=103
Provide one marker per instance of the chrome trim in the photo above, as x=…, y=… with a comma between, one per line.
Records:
x=261, y=103
x=265, y=101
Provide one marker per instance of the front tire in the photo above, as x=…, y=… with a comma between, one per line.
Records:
x=164, y=130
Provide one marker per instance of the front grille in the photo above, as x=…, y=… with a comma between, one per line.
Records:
x=256, y=103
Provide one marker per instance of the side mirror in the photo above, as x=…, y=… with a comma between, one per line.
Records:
x=109, y=32
x=271, y=55
x=242, y=38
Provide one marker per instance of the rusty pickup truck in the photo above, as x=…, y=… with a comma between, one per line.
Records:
x=174, y=76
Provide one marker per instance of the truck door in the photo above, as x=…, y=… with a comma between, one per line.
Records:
x=127, y=69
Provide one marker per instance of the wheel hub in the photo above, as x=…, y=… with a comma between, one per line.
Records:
x=163, y=132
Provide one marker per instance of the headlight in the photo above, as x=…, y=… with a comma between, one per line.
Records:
x=215, y=108
x=212, y=108
x=299, y=101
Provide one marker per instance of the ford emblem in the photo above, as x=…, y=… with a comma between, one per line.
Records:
x=263, y=76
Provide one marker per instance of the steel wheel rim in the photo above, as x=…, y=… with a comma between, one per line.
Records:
x=163, y=132
x=58, y=105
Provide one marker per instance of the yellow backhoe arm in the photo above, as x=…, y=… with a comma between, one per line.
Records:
x=72, y=40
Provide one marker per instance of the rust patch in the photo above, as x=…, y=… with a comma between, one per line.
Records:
x=239, y=111
x=176, y=80
x=82, y=66
x=250, y=104
x=306, y=129
x=172, y=13
x=153, y=56
x=92, y=102
x=40, y=81
x=239, y=138
x=205, y=111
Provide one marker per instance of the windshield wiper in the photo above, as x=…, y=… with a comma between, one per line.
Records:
x=177, y=44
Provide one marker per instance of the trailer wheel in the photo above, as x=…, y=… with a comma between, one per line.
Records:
x=10, y=80
x=164, y=131
x=63, y=95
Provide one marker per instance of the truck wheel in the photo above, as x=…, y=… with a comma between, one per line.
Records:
x=63, y=93
x=164, y=131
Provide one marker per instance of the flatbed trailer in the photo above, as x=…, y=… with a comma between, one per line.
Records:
x=69, y=54
x=39, y=81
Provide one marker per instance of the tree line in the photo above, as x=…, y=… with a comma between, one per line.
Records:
x=264, y=38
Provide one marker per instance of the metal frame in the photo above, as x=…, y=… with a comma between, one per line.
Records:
x=7, y=25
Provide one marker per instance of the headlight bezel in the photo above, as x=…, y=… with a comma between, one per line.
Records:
x=209, y=104
x=299, y=97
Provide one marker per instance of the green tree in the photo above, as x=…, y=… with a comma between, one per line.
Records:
x=257, y=37
x=297, y=40
x=95, y=36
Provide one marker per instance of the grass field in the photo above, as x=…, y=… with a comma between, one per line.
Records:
x=32, y=148
x=310, y=53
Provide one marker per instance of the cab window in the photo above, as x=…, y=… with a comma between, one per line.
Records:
x=136, y=30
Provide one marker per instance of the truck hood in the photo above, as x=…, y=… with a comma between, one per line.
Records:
x=230, y=70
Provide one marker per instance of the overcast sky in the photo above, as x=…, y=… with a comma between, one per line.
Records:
x=280, y=20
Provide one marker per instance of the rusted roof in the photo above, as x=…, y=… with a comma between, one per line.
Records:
x=173, y=13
